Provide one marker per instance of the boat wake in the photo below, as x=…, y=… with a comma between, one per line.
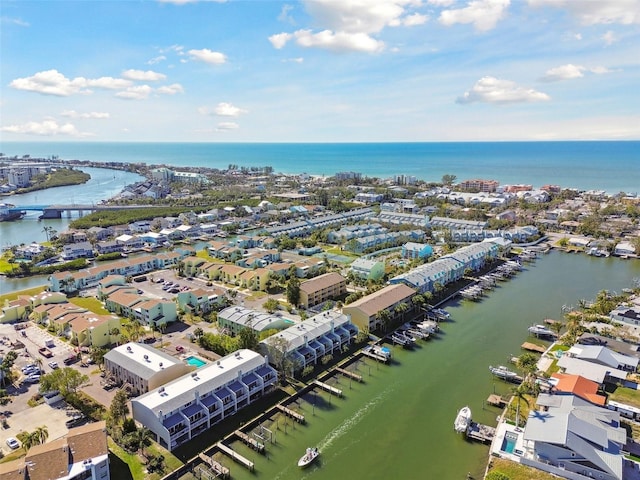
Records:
x=347, y=425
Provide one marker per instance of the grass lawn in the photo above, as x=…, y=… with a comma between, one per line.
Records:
x=626, y=395
x=128, y=465
x=516, y=471
x=90, y=303
x=29, y=291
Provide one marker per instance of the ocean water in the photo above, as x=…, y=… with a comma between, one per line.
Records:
x=610, y=166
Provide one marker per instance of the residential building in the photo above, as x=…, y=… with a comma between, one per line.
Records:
x=233, y=319
x=572, y=438
x=142, y=368
x=187, y=406
x=364, y=312
x=322, y=288
x=82, y=454
x=368, y=269
x=304, y=344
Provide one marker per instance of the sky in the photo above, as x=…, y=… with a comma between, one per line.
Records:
x=319, y=70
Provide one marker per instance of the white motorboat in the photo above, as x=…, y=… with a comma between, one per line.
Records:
x=463, y=420
x=540, y=331
x=503, y=372
x=309, y=456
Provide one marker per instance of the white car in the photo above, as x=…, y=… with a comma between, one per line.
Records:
x=13, y=443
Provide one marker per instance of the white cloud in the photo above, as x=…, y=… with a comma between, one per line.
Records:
x=223, y=126
x=494, y=90
x=45, y=128
x=483, y=14
x=208, y=56
x=158, y=59
x=139, y=92
x=592, y=12
x=225, y=109
x=279, y=40
x=563, y=72
x=14, y=21
x=609, y=38
x=170, y=89
x=92, y=115
x=52, y=82
x=350, y=25
x=141, y=75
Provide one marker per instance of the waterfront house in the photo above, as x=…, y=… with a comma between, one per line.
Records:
x=180, y=410
x=82, y=453
x=572, y=438
x=141, y=367
x=365, y=311
x=322, y=288
x=233, y=319
x=304, y=344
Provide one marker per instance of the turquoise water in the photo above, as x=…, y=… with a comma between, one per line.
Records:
x=195, y=362
x=612, y=166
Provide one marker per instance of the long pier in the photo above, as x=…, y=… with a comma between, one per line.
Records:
x=252, y=442
x=349, y=374
x=298, y=417
x=333, y=390
x=236, y=456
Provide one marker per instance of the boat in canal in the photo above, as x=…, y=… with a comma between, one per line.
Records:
x=463, y=420
x=309, y=456
x=540, y=331
x=503, y=372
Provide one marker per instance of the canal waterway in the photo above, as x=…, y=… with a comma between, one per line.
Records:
x=399, y=423
x=104, y=184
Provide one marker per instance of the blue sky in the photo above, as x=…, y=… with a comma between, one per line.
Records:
x=319, y=71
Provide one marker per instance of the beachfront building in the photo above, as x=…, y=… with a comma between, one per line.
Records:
x=572, y=438
x=304, y=344
x=449, y=268
x=187, y=406
x=142, y=368
x=365, y=311
x=233, y=319
x=367, y=268
x=82, y=454
x=322, y=288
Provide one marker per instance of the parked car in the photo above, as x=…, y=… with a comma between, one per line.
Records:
x=53, y=365
x=13, y=443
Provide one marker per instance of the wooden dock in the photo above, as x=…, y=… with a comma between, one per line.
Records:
x=532, y=347
x=217, y=468
x=481, y=433
x=496, y=401
x=252, y=442
x=236, y=456
x=333, y=390
x=349, y=374
x=298, y=417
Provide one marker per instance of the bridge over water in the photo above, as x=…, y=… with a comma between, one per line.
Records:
x=55, y=211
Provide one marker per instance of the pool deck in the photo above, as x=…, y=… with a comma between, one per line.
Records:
x=496, y=445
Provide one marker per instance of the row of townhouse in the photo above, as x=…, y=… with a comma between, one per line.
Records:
x=449, y=268
x=360, y=245
x=74, y=281
x=305, y=227
x=183, y=408
x=304, y=344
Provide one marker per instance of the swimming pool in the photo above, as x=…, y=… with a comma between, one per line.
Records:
x=509, y=442
x=195, y=362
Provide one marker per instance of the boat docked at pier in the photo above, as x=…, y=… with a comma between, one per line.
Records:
x=503, y=372
x=309, y=456
x=463, y=420
x=540, y=331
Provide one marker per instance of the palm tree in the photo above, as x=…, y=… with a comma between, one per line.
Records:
x=41, y=434
x=519, y=395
